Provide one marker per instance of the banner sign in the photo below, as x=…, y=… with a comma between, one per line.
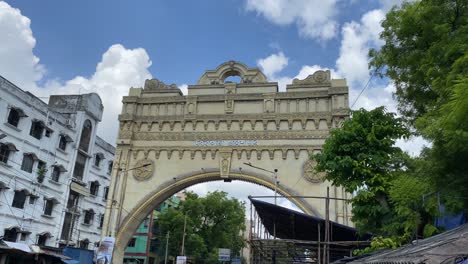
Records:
x=181, y=260
x=224, y=254
x=104, y=252
x=224, y=143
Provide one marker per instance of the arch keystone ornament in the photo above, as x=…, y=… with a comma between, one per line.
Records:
x=169, y=141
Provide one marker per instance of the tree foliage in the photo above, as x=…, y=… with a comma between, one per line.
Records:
x=426, y=56
x=213, y=222
x=362, y=158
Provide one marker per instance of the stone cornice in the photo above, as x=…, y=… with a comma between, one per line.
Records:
x=178, y=151
x=225, y=135
x=241, y=97
x=260, y=117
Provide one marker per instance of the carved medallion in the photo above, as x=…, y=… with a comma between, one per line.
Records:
x=310, y=174
x=320, y=76
x=143, y=169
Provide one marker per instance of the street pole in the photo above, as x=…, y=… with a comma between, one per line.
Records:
x=167, y=246
x=183, y=236
x=276, y=182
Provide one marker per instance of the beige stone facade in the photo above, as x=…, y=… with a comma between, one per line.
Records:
x=168, y=141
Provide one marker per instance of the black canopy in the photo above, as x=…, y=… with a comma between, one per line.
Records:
x=291, y=224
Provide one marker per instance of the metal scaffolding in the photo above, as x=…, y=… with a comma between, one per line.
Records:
x=280, y=235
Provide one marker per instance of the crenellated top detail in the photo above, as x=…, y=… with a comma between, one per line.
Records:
x=232, y=68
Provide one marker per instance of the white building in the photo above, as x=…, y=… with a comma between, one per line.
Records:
x=54, y=169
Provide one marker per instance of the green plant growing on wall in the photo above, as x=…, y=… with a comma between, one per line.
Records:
x=41, y=172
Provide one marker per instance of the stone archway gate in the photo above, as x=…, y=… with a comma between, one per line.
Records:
x=168, y=141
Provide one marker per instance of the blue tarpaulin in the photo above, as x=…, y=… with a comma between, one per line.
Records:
x=449, y=221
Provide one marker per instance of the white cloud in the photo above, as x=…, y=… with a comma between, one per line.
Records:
x=119, y=69
x=358, y=38
x=18, y=63
x=314, y=18
x=273, y=64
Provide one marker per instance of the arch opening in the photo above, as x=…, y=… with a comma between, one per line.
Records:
x=130, y=222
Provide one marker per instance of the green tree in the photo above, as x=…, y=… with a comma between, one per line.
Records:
x=426, y=55
x=387, y=183
x=212, y=222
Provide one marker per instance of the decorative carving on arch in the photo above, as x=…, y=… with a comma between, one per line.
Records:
x=232, y=68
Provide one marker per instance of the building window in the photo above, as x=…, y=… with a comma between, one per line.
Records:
x=67, y=226
x=48, y=206
x=109, y=167
x=37, y=129
x=19, y=199
x=80, y=164
x=28, y=162
x=48, y=132
x=73, y=199
x=42, y=239
x=14, y=116
x=56, y=173
x=97, y=159
x=84, y=244
x=132, y=242
x=88, y=217
x=85, y=136
x=106, y=192
x=94, y=188
x=5, y=151
x=32, y=199
x=11, y=234
x=41, y=170
x=101, y=221
x=63, y=142
x=24, y=236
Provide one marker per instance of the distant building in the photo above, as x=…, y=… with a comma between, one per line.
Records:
x=54, y=169
x=148, y=243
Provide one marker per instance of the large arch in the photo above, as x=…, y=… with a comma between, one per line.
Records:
x=168, y=142
x=131, y=222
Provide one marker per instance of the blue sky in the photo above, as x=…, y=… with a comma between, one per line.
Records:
x=65, y=47
x=182, y=38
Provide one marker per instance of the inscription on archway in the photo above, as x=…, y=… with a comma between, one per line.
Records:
x=169, y=141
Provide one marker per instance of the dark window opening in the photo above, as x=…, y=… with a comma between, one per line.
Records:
x=37, y=129
x=97, y=159
x=56, y=174
x=11, y=234
x=106, y=192
x=84, y=244
x=19, y=199
x=24, y=236
x=85, y=136
x=14, y=116
x=73, y=199
x=48, y=133
x=4, y=153
x=109, y=167
x=132, y=242
x=88, y=217
x=32, y=199
x=67, y=226
x=80, y=164
x=42, y=239
x=101, y=221
x=28, y=162
x=94, y=188
x=48, y=207
x=63, y=142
